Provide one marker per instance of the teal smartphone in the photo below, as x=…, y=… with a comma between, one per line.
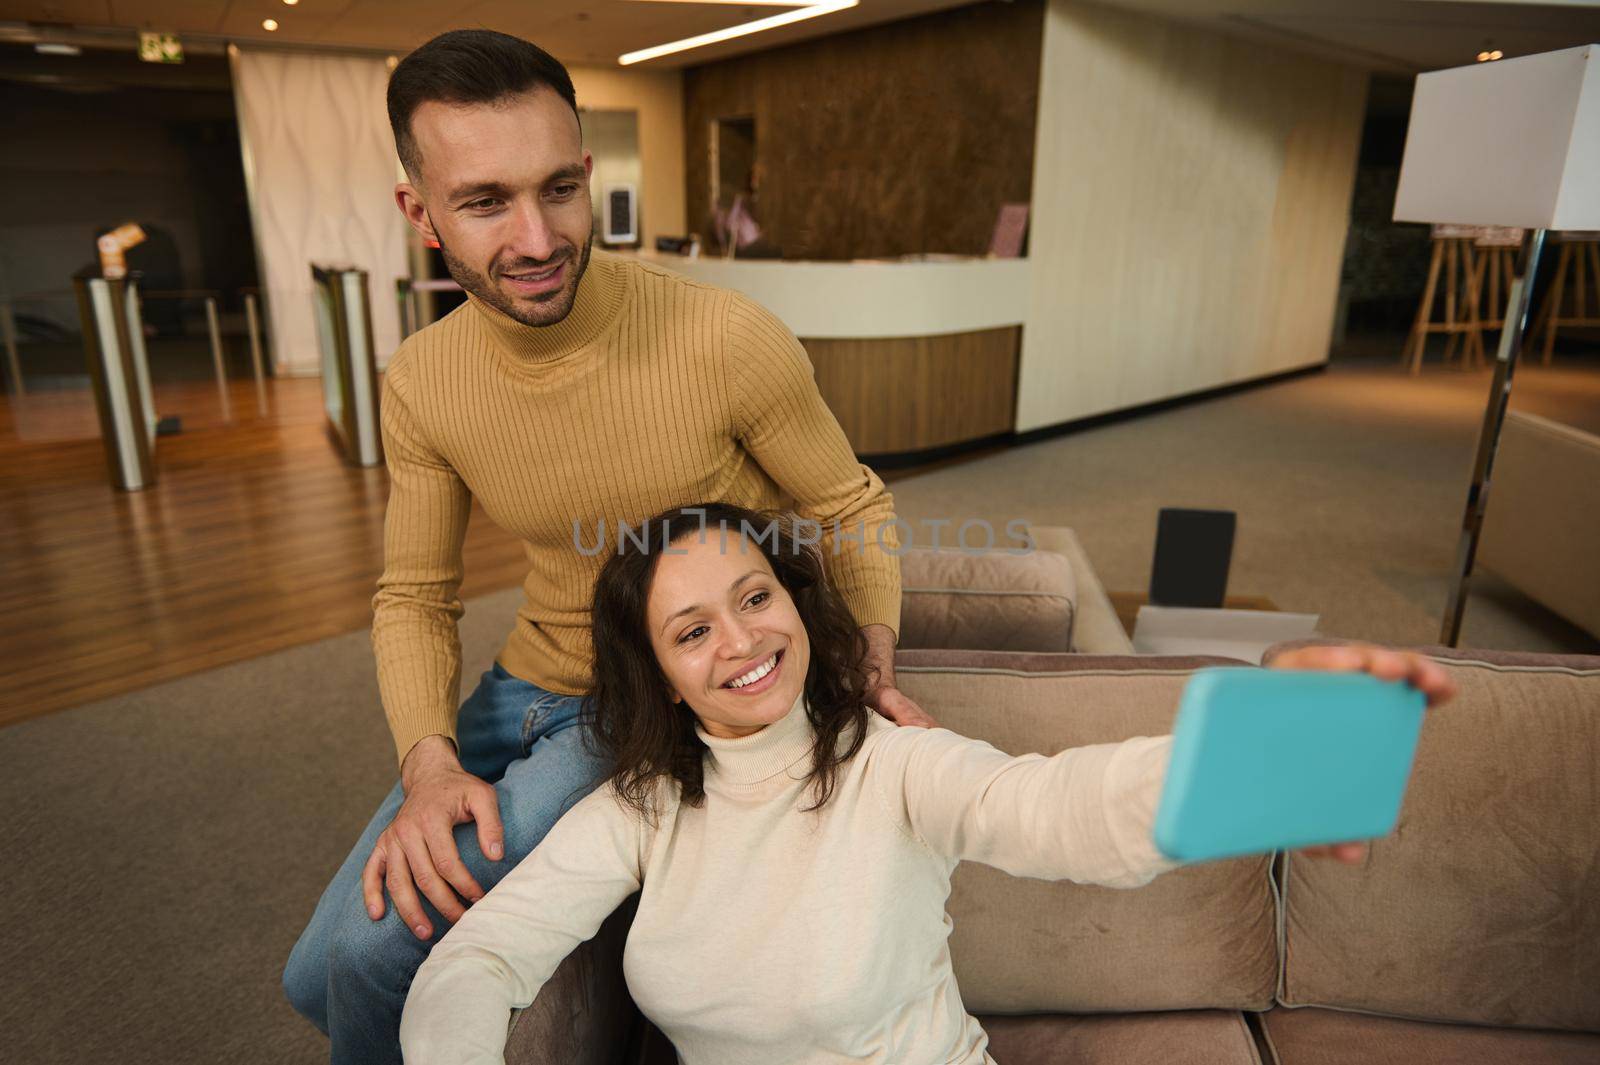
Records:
x=1266, y=759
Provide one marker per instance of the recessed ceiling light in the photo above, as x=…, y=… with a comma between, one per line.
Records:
x=772, y=22
x=269, y=24
x=291, y=3
x=47, y=48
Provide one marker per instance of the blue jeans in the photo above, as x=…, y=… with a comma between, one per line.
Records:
x=349, y=974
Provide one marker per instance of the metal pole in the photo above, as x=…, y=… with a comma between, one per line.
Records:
x=114, y=371
x=8, y=326
x=253, y=323
x=1518, y=302
x=133, y=312
x=402, y=288
x=216, y=358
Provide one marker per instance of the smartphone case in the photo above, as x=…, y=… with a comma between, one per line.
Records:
x=1266, y=760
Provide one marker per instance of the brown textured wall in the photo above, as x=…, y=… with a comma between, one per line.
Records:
x=899, y=139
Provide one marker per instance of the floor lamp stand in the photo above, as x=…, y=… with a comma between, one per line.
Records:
x=1518, y=302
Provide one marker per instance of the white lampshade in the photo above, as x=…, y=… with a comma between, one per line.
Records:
x=1509, y=143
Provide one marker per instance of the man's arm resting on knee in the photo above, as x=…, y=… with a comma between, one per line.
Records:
x=418, y=651
x=415, y=612
x=417, y=852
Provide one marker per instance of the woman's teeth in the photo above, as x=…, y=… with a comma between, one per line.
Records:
x=755, y=674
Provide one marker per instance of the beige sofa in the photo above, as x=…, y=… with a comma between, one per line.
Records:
x=1047, y=599
x=1471, y=935
x=1543, y=521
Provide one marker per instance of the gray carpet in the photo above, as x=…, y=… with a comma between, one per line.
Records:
x=163, y=849
x=1349, y=486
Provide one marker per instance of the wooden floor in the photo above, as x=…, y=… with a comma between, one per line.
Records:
x=255, y=537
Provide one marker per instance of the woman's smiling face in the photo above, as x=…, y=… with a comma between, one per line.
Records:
x=726, y=633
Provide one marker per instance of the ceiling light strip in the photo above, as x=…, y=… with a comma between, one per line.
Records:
x=772, y=22
x=735, y=3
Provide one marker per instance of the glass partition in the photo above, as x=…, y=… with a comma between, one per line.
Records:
x=349, y=367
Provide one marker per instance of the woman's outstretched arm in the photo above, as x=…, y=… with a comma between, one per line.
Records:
x=509, y=943
x=1084, y=814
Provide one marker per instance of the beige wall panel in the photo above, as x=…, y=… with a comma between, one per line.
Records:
x=658, y=98
x=321, y=168
x=1191, y=198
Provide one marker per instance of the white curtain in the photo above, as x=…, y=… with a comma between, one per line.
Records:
x=321, y=167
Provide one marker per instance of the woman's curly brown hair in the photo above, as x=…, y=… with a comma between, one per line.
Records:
x=631, y=719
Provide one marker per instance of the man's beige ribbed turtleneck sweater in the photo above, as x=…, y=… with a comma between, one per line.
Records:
x=656, y=391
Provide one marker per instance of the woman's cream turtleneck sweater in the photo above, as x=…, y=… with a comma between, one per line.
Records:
x=768, y=934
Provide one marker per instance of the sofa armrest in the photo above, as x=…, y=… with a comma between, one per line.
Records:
x=1096, y=630
x=1539, y=532
x=583, y=1014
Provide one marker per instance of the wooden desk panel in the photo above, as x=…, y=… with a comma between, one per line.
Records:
x=1127, y=605
x=902, y=395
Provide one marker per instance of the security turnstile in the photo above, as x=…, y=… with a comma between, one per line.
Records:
x=119, y=367
x=349, y=363
x=417, y=303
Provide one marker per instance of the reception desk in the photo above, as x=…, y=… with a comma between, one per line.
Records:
x=916, y=358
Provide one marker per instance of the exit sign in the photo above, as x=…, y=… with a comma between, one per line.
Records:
x=160, y=48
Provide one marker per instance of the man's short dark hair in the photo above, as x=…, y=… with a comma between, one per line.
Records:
x=468, y=67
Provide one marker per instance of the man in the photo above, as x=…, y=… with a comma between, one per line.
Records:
x=573, y=388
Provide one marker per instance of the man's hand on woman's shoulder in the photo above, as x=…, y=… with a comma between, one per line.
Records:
x=882, y=695
x=898, y=707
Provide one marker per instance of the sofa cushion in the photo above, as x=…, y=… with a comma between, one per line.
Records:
x=1484, y=905
x=1333, y=1037
x=1195, y=1037
x=1199, y=937
x=986, y=600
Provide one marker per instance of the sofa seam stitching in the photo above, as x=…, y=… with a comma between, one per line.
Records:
x=1025, y=592
x=1047, y=673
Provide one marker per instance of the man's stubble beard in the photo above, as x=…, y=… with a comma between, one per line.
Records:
x=550, y=311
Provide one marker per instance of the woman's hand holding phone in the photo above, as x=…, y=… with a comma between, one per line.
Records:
x=1423, y=674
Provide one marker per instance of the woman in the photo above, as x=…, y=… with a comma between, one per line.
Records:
x=794, y=850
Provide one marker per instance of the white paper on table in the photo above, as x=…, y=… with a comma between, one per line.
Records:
x=1241, y=634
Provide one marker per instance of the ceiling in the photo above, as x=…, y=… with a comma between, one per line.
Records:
x=575, y=31
x=1398, y=36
